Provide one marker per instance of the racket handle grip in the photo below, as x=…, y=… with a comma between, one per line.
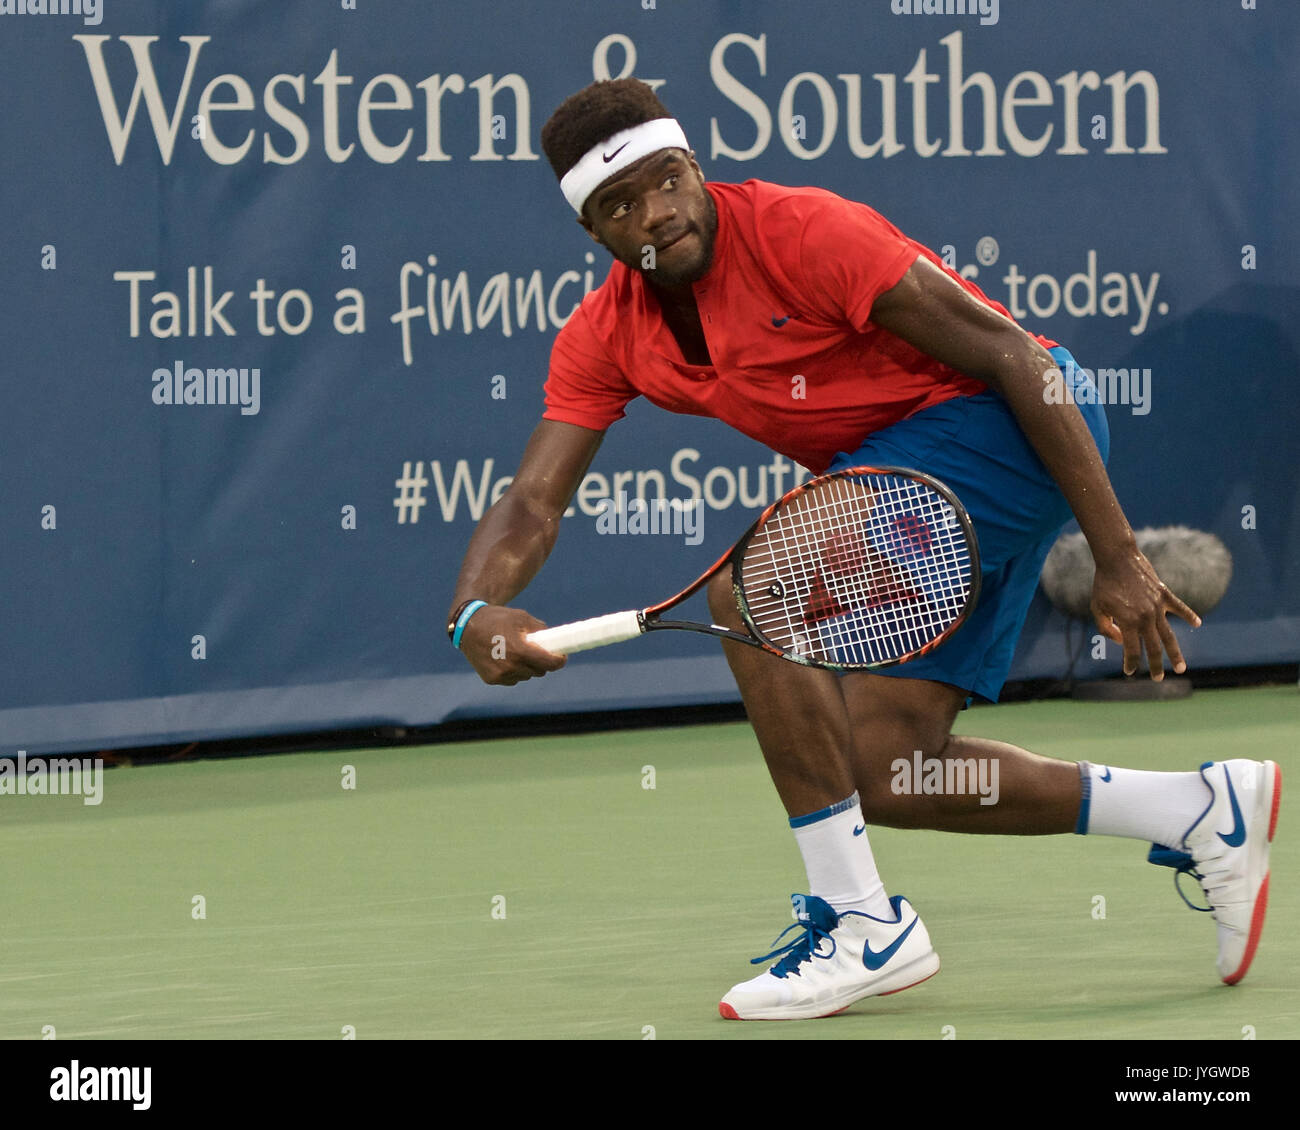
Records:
x=565, y=639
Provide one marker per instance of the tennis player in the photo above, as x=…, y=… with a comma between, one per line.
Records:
x=719, y=295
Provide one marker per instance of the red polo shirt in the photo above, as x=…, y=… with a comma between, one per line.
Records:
x=788, y=295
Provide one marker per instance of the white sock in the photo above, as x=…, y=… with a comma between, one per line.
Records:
x=836, y=854
x=1159, y=807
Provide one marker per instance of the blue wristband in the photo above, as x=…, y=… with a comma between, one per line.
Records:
x=469, y=610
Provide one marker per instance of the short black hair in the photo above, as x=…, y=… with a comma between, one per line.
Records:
x=593, y=115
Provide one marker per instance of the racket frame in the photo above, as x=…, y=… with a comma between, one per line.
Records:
x=650, y=619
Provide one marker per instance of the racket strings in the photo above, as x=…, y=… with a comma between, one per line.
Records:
x=858, y=570
x=909, y=519
x=837, y=522
x=903, y=531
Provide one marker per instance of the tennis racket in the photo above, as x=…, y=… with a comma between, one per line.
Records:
x=852, y=571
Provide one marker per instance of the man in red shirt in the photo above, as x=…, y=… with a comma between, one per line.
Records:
x=720, y=296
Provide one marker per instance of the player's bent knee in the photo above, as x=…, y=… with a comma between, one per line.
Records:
x=896, y=717
x=901, y=735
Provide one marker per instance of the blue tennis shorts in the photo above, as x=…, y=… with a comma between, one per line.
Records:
x=974, y=445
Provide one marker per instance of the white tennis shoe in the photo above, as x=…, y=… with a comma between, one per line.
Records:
x=1226, y=850
x=836, y=959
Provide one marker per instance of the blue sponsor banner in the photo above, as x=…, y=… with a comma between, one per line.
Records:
x=281, y=282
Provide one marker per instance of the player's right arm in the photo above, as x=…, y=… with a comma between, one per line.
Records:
x=509, y=546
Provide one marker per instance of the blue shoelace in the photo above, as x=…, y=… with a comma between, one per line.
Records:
x=1182, y=864
x=803, y=948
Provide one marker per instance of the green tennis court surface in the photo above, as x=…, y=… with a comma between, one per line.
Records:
x=536, y=888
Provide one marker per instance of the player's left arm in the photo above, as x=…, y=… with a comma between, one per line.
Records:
x=941, y=318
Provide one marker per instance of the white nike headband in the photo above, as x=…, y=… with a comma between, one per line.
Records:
x=615, y=154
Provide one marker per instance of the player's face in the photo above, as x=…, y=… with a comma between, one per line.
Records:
x=657, y=218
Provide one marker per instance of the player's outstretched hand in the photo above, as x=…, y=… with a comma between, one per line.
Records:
x=493, y=642
x=1130, y=604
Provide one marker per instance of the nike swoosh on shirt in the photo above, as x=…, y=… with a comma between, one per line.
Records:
x=610, y=156
x=779, y=322
x=873, y=960
x=859, y=829
x=1106, y=775
x=1237, y=836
